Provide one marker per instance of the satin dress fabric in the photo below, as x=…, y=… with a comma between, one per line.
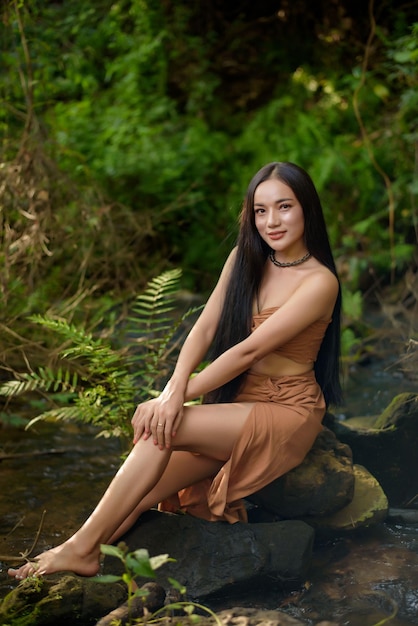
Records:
x=279, y=431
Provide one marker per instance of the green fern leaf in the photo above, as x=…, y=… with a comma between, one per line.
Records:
x=61, y=327
x=13, y=388
x=44, y=379
x=62, y=413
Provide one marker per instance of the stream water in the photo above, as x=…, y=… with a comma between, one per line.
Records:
x=356, y=579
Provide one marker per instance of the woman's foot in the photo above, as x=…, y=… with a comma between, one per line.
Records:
x=62, y=558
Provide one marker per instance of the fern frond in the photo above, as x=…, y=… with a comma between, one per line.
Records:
x=44, y=379
x=101, y=358
x=152, y=306
x=69, y=332
x=97, y=352
x=170, y=344
x=155, y=331
x=12, y=388
x=62, y=413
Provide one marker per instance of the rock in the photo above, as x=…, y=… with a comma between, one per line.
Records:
x=322, y=484
x=134, y=608
x=368, y=507
x=64, y=599
x=388, y=448
x=212, y=557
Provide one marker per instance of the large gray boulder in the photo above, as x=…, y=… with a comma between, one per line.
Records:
x=210, y=556
x=213, y=556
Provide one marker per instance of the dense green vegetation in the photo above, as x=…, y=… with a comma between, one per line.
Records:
x=130, y=130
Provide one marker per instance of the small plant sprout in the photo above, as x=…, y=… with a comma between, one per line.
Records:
x=139, y=564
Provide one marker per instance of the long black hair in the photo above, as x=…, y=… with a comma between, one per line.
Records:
x=246, y=274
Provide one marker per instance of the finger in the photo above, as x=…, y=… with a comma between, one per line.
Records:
x=159, y=436
x=135, y=426
x=145, y=425
x=167, y=434
x=141, y=420
x=177, y=422
x=138, y=431
x=138, y=427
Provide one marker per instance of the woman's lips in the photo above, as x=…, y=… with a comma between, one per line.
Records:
x=276, y=236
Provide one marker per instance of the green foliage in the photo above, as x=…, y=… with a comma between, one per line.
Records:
x=354, y=334
x=154, y=328
x=139, y=564
x=103, y=85
x=131, y=129
x=324, y=140
x=12, y=419
x=99, y=383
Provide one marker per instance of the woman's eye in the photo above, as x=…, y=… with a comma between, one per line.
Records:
x=258, y=211
x=285, y=206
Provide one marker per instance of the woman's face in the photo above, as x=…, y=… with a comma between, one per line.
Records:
x=279, y=219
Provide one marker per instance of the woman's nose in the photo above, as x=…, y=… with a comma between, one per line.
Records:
x=273, y=217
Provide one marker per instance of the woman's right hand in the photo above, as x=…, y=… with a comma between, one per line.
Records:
x=159, y=418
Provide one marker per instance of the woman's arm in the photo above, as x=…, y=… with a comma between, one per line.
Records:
x=312, y=301
x=201, y=335
x=167, y=409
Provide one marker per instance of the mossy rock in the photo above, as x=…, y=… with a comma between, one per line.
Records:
x=388, y=447
x=400, y=412
x=322, y=484
x=368, y=507
x=64, y=599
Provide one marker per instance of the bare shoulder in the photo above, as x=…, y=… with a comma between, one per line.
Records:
x=232, y=256
x=318, y=291
x=228, y=265
x=324, y=276
x=216, y=299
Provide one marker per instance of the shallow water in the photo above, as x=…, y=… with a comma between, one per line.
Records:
x=65, y=482
x=355, y=579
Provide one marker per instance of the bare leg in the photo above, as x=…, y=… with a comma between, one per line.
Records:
x=181, y=467
x=210, y=430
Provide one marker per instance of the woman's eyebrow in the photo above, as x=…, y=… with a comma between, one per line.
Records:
x=276, y=201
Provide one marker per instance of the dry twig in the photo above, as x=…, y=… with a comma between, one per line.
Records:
x=24, y=556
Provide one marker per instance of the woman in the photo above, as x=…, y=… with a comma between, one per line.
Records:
x=273, y=324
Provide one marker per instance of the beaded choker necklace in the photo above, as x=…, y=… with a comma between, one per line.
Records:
x=280, y=264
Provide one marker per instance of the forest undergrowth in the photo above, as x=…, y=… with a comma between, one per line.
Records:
x=129, y=133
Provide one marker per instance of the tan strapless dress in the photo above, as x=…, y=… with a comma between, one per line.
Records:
x=278, y=433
